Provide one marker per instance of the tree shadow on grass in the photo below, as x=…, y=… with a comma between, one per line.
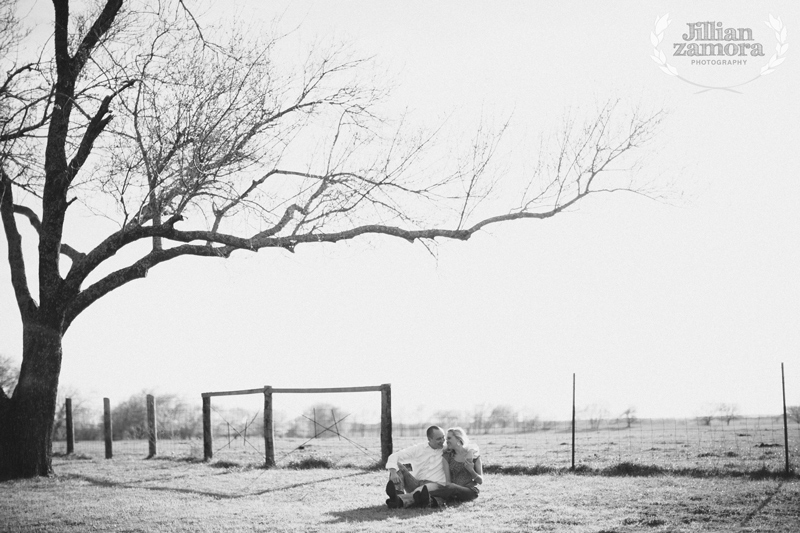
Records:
x=211, y=494
x=766, y=501
x=295, y=485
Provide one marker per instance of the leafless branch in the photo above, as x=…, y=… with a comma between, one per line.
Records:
x=220, y=147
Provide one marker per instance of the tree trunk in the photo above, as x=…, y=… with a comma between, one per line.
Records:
x=26, y=419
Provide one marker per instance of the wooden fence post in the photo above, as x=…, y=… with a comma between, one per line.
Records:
x=269, y=436
x=386, y=422
x=152, y=430
x=70, y=430
x=107, y=426
x=208, y=453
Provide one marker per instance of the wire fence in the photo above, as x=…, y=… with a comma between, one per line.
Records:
x=741, y=444
x=744, y=444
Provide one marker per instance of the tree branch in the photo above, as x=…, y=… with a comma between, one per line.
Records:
x=94, y=129
x=137, y=270
x=231, y=243
x=100, y=27
x=7, y=93
x=16, y=260
x=108, y=248
x=200, y=126
x=66, y=249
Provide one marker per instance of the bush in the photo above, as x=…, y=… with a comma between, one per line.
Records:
x=310, y=463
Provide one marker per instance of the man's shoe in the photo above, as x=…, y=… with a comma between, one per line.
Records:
x=391, y=491
x=424, y=497
x=391, y=504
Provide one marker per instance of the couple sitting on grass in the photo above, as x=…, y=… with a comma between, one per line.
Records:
x=438, y=475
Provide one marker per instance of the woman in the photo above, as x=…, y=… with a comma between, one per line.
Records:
x=463, y=472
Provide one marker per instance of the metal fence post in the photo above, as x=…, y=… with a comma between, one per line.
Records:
x=573, y=421
x=785, y=421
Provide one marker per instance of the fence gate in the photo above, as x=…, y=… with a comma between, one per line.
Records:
x=269, y=439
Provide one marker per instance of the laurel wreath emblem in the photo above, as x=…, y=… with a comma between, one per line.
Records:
x=775, y=24
x=655, y=38
x=780, y=35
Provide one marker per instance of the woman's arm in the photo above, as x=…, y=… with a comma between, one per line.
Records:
x=478, y=465
x=446, y=468
x=468, y=463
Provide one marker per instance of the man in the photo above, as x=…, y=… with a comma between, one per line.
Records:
x=426, y=467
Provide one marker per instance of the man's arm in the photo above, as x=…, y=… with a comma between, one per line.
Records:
x=446, y=468
x=406, y=455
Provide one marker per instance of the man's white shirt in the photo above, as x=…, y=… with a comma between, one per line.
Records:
x=426, y=463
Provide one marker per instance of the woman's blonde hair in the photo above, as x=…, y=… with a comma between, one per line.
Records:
x=461, y=435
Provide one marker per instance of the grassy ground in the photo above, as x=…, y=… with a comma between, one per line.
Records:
x=132, y=495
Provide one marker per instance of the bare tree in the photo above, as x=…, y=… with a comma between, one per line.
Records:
x=706, y=414
x=529, y=421
x=26, y=98
x=629, y=416
x=727, y=412
x=447, y=418
x=480, y=419
x=178, y=418
x=216, y=147
x=794, y=413
x=502, y=417
x=175, y=417
x=595, y=414
x=325, y=420
x=130, y=418
x=81, y=412
x=705, y=420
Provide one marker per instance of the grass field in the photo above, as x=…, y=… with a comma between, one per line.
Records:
x=656, y=476
x=134, y=495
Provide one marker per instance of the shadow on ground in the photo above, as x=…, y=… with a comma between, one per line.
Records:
x=211, y=494
x=377, y=513
x=766, y=501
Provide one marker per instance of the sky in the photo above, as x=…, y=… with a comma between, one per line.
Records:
x=668, y=306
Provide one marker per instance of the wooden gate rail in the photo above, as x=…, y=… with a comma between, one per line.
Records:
x=269, y=437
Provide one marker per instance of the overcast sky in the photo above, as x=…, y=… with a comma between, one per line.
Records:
x=667, y=306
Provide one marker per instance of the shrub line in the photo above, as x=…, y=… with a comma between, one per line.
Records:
x=627, y=469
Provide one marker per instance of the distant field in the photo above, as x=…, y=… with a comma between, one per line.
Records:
x=743, y=445
x=170, y=496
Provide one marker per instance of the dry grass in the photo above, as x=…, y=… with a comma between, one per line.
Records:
x=133, y=495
